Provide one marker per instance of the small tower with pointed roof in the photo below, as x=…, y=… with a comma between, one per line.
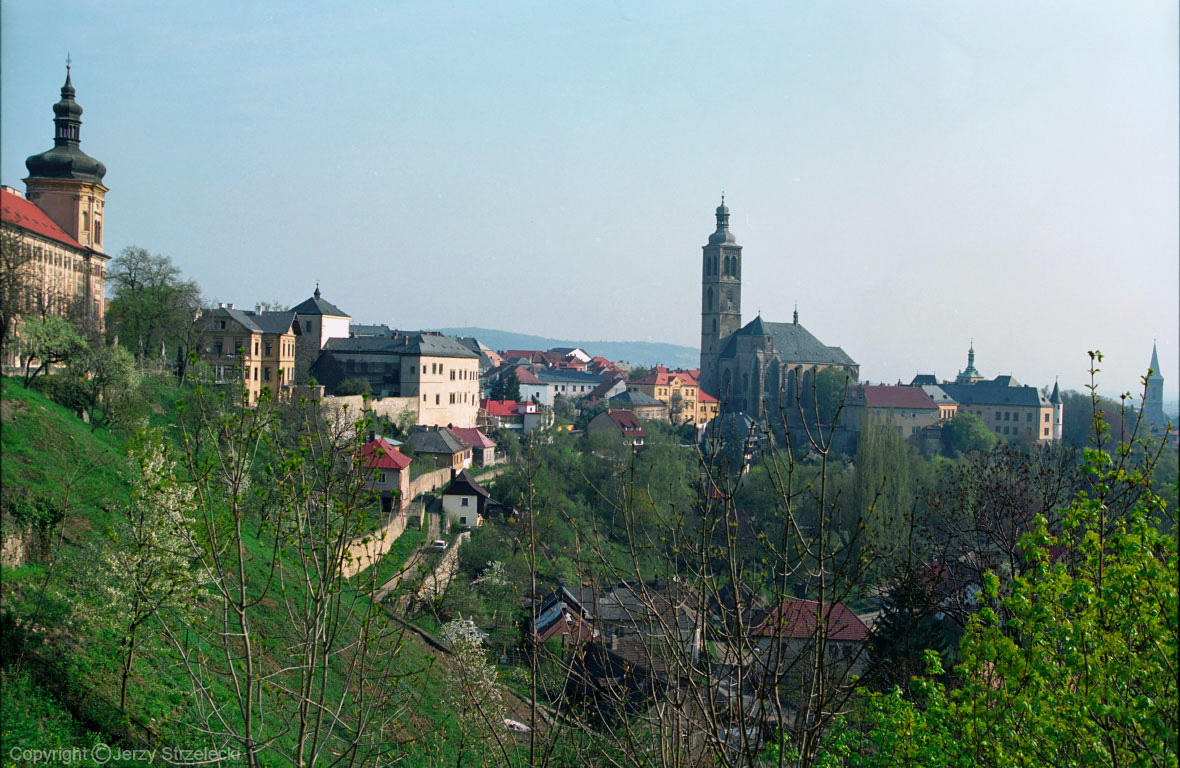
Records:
x=64, y=181
x=1058, y=412
x=1153, y=395
x=969, y=375
x=721, y=295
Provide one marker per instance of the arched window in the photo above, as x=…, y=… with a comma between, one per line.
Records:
x=745, y=382
x=709, y=299
x=714, y=325
x=97, y=232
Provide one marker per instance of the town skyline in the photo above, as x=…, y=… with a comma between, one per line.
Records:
x=911, y=194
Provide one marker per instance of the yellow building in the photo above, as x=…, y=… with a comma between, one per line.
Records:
x=256, y=348
x=680, y=391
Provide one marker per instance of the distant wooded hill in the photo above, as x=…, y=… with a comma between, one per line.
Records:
x=646, y=353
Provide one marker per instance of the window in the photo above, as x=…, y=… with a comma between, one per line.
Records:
x=268, y=349
x=98, y=232
x=1028, y=416
x=463, y=519
x=436, y=400
x=266, y=373
x=465, y=501
x=381, y=477
x=997, y=415
x=1046, y=431
x=223, y=325
x=255, y=347
x=256, y=373
x=1046, y=419
x=1007, y=416
x=307, y=326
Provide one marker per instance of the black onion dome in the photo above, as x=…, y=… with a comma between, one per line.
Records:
x=66, y=160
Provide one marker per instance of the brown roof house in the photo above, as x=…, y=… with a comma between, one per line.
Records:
x=784, y=641
x=625, y=424
x=465, y=501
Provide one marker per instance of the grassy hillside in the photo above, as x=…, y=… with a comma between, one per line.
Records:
x=64, y=486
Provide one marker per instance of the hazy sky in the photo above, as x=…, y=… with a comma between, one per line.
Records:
x=914, y=175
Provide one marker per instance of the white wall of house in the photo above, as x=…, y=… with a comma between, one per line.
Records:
x=462, y=510
x=543, y=392
x=333, y=328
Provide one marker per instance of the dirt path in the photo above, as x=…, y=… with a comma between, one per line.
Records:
x=412, y=562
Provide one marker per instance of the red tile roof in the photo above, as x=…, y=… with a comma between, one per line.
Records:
x=382, y=454
x=796, y=620
x=883, y=396
x=19, y=212
x=705, y=397
x=525, y=376
x=500, y=407
x=473, y=436
x=628, y=422
x=661, y=376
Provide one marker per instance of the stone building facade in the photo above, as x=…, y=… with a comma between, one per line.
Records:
x=255, y=348
x=755, y=368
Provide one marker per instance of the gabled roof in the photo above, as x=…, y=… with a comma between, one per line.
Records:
x=525, y=376
x=567, y=376
x=20, y=212
x=382, y=454
x=937, y=393
x=472, y=437
x=792, y=341
x=999, y=391
x=500, y=407
x=661, y=377
x=436, y=440
x=798, y=620
x=636, y=399
x=318, y=306
x=464, y=485
x=413, y=343
x=606, y=386
x=878, y=396
x=278, y=323
x=628, y=422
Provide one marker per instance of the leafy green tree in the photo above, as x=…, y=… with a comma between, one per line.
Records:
x=109, y=383
x=966, y=433
x=145, y=570
x=507, y=387
x=353, y=386
x=830, y=389
x=637, y=373
x=51, y=341
x=152, y=303
x=563, y=410
x=1076, y=667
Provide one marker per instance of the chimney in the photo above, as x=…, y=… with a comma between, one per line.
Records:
x=221, y=305
x=231, y=305
x=258, y=308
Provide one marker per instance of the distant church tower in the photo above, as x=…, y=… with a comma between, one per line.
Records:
x=721, y=297
x=969, y=375
x=1153, y=397
x=65, y=182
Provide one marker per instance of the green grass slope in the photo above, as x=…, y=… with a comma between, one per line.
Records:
x=61, y=693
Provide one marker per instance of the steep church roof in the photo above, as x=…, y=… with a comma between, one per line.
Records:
x=792, y=342
x=19, y=212
x=318, y=306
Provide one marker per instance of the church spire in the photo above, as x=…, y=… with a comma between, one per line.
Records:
x=66, y=160
x=796, y=314
x=1155, y=360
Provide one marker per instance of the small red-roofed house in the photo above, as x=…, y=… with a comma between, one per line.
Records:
x=483, y=450
x=909, y=409
x=786, y=637
x=390, y=473
x=625, y=424
x=515, y=415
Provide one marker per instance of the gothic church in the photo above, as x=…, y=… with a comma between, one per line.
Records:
x=755, y=368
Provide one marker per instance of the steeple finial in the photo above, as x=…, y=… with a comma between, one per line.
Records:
x=796, y=313
x=317, y=289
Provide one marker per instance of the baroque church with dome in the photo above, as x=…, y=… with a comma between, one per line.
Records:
x=754, y=368
x=55, y=228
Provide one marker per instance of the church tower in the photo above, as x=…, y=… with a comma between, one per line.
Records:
x=65, y=182
x=1153, y=396
x=721, y=297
